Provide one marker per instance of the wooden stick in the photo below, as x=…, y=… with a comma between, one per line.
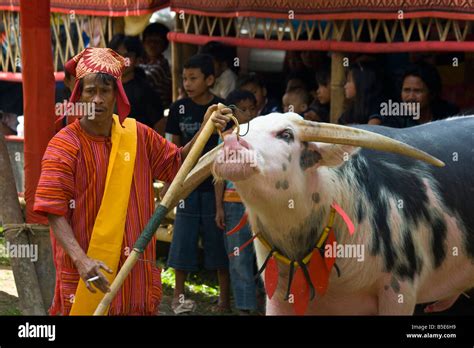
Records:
x=166, y=204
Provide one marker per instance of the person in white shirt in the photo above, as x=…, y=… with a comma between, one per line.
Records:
x=223, y=57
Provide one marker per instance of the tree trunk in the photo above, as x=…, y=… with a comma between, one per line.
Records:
x=26, y=280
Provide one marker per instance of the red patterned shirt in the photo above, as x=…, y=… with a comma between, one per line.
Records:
x=74, y=169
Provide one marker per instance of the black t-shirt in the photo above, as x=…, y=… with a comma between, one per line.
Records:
x=145, y=103
x=185, y=119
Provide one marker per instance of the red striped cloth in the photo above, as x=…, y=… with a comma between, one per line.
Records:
x=72, y=181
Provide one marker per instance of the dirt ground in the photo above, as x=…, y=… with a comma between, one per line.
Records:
x=9, y=298
x=8, y=293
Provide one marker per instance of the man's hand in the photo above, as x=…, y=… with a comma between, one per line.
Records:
x=220, y=217
x=86, y=267
x=89, y=268
x=220, y=118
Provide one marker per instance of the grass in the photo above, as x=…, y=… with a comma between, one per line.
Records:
x=196, y=284
x=202, y=287
x=12, y=311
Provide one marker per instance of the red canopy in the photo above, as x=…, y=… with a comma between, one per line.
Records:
x=328, y=9
x=302, y=9
x=109, y=8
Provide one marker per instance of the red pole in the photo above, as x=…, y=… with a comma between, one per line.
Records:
x=38, y=93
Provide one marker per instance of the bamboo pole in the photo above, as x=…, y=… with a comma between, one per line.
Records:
x=337, y=86
x=166, y=204
x=176, y=55
x=338, y=76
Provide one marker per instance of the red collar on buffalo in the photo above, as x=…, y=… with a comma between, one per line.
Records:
x=312, y=271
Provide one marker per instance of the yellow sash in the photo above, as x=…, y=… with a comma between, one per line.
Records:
x=107, y=236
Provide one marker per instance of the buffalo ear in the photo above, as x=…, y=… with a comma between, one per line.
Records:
x=334, y=155
x=310, y=155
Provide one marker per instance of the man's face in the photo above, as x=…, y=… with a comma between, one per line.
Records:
x=101, y=95
x=414, y=90
x=247, y=110
x=154, y=45
x=195, y=83
x=259, y=93
x=130, y=59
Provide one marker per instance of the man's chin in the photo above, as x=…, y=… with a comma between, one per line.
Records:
x=99, y=116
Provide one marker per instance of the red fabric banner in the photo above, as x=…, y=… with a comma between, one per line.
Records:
x=108, y=8
x=327, y=9
x=329, y=45
x=38, y=93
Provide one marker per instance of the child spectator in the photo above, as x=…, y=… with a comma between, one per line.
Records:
x=145, y=104
x=246, y=105
x=363, y=94
x=296, y=100
x=254, y=83
x=229, y=211
x=196, y=215
x=320, y=107
x=155, y=65
x=223, y=57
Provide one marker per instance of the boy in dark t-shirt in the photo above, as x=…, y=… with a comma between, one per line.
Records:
x=184, y=120
x=196, y=214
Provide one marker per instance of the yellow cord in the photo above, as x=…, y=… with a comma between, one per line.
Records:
x=236, y=123
x=287, y=261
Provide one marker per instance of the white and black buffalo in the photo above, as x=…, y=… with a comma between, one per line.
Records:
x=415, y=219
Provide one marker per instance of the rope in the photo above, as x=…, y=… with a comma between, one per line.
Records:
x=236, y=123
x=24, y=227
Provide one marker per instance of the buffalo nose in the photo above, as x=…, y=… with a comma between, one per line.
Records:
x=231, y=142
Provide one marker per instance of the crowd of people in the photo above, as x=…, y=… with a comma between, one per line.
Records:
x=211, y=77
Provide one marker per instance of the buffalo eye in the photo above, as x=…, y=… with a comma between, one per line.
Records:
x=286, y=135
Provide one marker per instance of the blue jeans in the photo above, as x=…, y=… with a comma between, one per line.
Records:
x=194, y=218
x=241, y=267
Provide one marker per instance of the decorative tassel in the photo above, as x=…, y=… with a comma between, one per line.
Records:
x=300, y=292
x=330, y=260
x=345, y=217
x=239, y=226
x=319, y=272
x=271, y=277
x=307, y=277
x=290, y=280
x=264, y=263
x=243, y=246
